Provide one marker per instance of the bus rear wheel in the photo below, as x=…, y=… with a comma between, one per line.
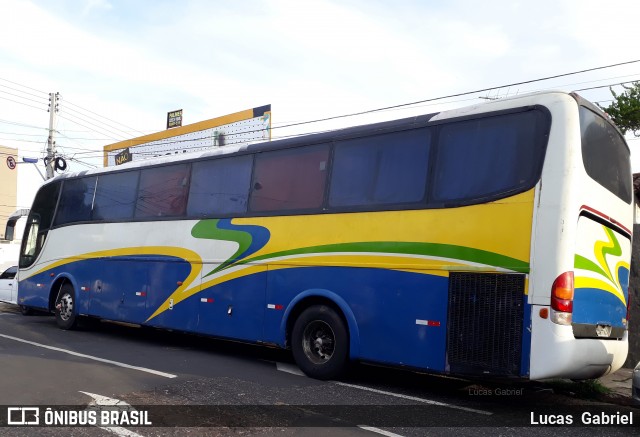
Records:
x=65, y=308
x=320, y=343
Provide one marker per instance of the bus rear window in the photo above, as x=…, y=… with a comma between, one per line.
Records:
x=605, y=155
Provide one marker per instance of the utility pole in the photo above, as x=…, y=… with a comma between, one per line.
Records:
x=51, y=144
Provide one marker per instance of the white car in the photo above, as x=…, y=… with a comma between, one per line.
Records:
x=9, y=285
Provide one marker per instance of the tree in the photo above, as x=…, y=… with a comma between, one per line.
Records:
x=625, y=109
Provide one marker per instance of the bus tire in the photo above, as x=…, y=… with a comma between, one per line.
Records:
x=65, y=308
x=320, y=343
x=25, y=310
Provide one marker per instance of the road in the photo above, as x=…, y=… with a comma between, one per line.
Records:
x=190, y=385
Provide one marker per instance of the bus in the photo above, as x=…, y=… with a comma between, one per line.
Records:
x=490, y=240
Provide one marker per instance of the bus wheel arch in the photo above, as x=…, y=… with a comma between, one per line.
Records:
x=64, y=303
x=322, y=334
x=25, y=310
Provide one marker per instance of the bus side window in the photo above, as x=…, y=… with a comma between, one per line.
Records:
x=290, y=179
x=115, y=196
x=76, y=201
x=163, y=191
x=381, y=170
x=220, y=186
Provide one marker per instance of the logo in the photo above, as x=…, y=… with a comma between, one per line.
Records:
x=100, y=415
x=23, y=416
x=124, y=156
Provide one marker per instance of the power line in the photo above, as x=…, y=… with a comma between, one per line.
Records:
x=21, y=124
x=23, y=92
x=24, y=86
x=102, y=116
x=394, y=107
x=21, y=134
x=608, y=86
x=21, y=140
x=467, y=93
x=85, y=126
x=86, y=164
x=20, y=97
x=21, y=103
x=80, y=115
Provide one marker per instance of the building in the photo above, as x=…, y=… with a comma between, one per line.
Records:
x=244, y=127
x=8, y=185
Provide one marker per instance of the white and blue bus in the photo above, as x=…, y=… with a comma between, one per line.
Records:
x=488, y=240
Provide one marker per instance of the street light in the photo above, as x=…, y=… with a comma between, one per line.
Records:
x=33, y=161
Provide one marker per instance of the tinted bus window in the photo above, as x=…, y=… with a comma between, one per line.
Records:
x=163, y=191
x=115, y=196
x=220, y=186
x=488, y=157
x=605, y=155
x=38, y=223
x=44, y=205
x=76, y=201
x=292, y=179
x=380, y=170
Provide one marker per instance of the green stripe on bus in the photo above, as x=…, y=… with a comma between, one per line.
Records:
x=461, y=253
x=583, y=263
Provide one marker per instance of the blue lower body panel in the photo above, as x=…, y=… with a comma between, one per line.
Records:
x=394, y=317
x=400, y=316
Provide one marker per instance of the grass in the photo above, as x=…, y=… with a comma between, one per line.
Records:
x=590, y=389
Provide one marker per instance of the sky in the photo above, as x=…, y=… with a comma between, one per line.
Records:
x=120, y=66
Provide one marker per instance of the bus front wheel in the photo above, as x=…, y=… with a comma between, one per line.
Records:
x=65, y=308
x=25, y=311
x=320, y=343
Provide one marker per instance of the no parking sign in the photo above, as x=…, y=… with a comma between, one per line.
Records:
x=11, y=162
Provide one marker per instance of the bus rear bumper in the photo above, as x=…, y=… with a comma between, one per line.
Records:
x=556, y=353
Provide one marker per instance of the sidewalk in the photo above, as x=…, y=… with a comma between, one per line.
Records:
x=620, y=385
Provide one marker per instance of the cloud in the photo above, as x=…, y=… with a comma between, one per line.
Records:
x=134, y=61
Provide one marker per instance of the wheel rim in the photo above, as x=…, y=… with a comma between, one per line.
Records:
x=318, y=342
x=66, y=307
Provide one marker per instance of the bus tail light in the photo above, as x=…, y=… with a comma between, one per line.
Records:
x=562, y=299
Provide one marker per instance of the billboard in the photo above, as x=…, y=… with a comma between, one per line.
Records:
x=174, y=119
x=238, y=128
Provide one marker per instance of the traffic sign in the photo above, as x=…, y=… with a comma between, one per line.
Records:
x=11, y=162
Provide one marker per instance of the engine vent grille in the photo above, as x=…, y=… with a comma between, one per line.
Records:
x=484, y=335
